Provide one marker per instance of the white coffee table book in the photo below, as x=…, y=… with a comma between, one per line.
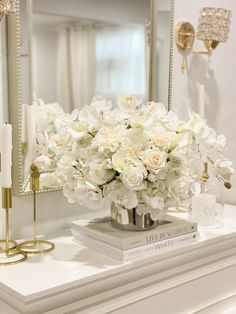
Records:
x=199, y=277
x=101, y=236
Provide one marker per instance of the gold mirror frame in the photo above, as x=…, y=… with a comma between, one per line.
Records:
x=14, y=85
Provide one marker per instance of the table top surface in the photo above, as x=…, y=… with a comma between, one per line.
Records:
x=70, y=264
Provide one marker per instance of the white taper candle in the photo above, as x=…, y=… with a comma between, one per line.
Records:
x=24, y=123
x=6, y=155
x=31, y=134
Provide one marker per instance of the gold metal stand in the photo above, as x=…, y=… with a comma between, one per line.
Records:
x=35, y=246
x=11, y=253
x=24, y=149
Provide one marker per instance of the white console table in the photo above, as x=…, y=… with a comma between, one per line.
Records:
x=196, y=278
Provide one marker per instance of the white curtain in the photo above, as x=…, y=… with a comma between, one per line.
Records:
x=76, y=66
x=120, y=60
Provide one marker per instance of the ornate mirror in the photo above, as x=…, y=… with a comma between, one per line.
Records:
x=62, y=54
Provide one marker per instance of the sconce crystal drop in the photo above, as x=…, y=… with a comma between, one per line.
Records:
x=214, y=24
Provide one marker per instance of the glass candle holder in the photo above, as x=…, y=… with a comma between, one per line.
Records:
x=208, y=205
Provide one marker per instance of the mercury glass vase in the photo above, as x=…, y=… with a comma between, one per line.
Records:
x=130, y=220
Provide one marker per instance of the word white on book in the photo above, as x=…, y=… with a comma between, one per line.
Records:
x=135, y=252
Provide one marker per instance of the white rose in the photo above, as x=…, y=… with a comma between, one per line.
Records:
x=58, y=142
x=99, y=175
x=179, y=188
x=108, y=138
x=154, y=159
x=42, y=162
x=133, y=178
x=161, y=141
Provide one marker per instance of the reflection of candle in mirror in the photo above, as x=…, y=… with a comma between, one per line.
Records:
x=6, y=155
x=204, y=209
x=201, y=100
x=24, y=123
x=31, y=135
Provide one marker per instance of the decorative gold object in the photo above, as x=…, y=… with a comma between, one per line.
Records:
x=24, y=149
x=204, y=177
x=35, y=246
x=213, y=28
x=9, y=254
x=184, y=38
x=7, y=7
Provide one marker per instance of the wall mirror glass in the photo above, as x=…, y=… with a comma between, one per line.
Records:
x=63, y=53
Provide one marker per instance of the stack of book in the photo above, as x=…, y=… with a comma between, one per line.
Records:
x=99, y=235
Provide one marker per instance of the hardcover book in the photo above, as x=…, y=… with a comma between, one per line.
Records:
x=104, y=232
x=144, y=250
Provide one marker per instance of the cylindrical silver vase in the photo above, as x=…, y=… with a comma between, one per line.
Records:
x=129, y=220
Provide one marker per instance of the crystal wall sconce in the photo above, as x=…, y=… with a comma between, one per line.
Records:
x=213, y=28
x=7, y=7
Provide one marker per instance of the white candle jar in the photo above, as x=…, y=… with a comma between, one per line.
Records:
x=208, y=207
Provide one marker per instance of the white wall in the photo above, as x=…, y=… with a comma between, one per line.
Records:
x=220, y=99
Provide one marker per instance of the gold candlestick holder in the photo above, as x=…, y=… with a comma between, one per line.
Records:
x=23, y=149
x=35, y=246
x=9, y=254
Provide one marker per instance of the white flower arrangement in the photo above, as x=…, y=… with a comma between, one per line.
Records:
x=133, y=154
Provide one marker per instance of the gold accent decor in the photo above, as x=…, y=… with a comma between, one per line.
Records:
x=24, y=149
x=9, y=254
x=213, y=28
x=184, y=36
x=6, y=198
x=35, y=246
